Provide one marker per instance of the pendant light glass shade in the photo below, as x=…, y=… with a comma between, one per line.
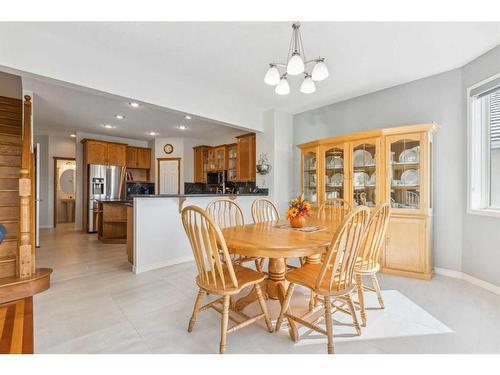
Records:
x=272, y=76
x=295, y=65
x=308, y=86
x=282, y=88
x=320, y=71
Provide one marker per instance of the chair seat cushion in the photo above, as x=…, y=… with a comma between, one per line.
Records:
x=244, y=275
x=307, y=276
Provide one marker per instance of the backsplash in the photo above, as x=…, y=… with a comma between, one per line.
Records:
x=235, y=187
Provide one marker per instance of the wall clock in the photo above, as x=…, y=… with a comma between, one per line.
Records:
x=168, y=148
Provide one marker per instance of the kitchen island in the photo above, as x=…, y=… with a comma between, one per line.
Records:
x=158, y=238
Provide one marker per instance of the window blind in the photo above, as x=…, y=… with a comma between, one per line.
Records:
x=495, y=119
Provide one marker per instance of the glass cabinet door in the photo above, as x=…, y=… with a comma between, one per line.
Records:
x=364, y=173
x=309, y=178
x=404, y=171
x=231, y=164
x=334, y=172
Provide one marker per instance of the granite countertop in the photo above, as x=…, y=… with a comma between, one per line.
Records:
x=115, y=200
x=199, y=195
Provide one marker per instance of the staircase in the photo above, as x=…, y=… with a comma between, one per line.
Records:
x=10, y=165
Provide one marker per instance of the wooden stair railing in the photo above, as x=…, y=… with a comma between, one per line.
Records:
x=27, y=280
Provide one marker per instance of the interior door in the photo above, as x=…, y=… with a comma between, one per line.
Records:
x=168, y=176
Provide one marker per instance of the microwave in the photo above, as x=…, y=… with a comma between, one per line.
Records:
x=216, y=178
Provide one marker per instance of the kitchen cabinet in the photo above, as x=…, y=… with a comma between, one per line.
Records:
x=138, y=157
x=391, y=165
x=220, y=158
x=232, y=159
x=245, y=165
x=104, y=153
x=112, y=222
x=201, y=163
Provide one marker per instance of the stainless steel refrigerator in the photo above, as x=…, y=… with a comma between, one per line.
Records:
x=105, y=182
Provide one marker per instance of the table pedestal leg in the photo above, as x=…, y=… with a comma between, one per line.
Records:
x=313, y=259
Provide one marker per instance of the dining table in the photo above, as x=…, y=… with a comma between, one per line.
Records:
x=277, y=241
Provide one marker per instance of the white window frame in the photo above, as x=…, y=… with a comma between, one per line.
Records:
x=478, y=155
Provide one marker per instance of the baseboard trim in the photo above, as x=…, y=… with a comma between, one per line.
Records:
x=471, y=279
x=155, y=266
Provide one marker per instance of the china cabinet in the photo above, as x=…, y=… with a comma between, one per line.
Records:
x=390, y=165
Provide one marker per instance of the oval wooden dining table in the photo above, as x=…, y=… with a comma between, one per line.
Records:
x=269, y=240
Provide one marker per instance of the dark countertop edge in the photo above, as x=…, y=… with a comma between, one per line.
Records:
x=200, y=195
x=114, y=200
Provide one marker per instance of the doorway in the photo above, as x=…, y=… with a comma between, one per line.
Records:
x=169, y=175
x=64, y=190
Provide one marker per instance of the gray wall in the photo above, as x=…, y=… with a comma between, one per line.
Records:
x=481, y=235
x=432, y=99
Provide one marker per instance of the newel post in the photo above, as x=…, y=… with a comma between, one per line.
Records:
x=25, y=256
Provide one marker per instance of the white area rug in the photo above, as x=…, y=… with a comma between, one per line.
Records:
x=400, y=318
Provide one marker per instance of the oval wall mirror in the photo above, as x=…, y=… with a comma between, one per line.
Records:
x=67, y=181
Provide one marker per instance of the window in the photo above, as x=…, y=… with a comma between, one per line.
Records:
x=484, y=147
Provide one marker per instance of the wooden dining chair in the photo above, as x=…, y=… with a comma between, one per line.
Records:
x=334, y=209
x=367, y=263
x=264, y=209
x=217, y=275
x=332, y=279
x=227, y=213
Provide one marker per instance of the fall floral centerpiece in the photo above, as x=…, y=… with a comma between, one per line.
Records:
x=297, y=211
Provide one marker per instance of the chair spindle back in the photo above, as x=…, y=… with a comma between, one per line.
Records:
x=209, y=248
x=334, y=209
x=374, y=236
x=264, y=209
x=225, y=212
x=343, y=251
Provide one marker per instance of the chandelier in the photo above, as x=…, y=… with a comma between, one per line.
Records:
x=296, y=65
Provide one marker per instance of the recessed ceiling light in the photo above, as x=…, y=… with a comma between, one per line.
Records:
x=152, y=133
x=182, y=127
x=119, y=117
x=134, y=104
x=187, y=117
x=72, y=135
x=108, y=126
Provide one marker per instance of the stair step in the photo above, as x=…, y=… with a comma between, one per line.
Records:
x=8, y=114
x=8, y=248
x=11, y=108
x=11, y=101
x=9, y=197
x=11, y=150
x=10, y=130
x=12, y=230
x=10, y=160
x=9, y=139
x=9, y=214
x=9, y=171
x=9, y=183
x=7, y=267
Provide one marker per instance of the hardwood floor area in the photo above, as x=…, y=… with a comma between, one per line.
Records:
x=16, y=327
x=97, y=305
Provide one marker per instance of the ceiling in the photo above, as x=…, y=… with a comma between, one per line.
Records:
x=64, y=109
x=216, y=69
x=232, y=57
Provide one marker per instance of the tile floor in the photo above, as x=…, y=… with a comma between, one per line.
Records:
x=97, y=305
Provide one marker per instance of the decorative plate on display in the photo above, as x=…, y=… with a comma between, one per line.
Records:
x=337, y=179
x=338, y=162
x=372, y=179
x=410, y=177
x=409, y=156
x=360, y=179
x=362, y=158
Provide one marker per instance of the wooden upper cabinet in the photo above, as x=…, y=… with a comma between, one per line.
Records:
x=102, y=152
x=131, y=157
x=95, y=152
x=138, y=157
x=220, y=158
x=245, y=165
x=200, y=163
x=144, y=158
x=116, y=154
